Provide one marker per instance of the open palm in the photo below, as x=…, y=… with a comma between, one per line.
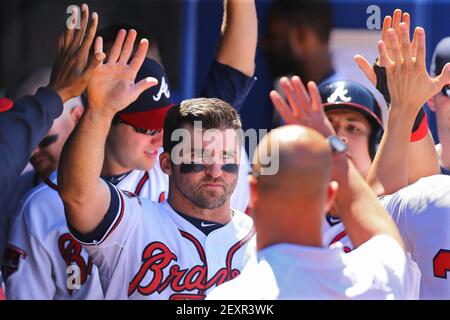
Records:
x=112, y=86
x=301, y=106
x=408, y=80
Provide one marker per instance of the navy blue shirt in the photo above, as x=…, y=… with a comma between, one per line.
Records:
x=445, y=171
x=21, y=129
x=228, y=84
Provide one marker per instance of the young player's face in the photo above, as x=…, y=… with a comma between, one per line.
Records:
x=209, y=170
x=355, y=130
x=130, y=150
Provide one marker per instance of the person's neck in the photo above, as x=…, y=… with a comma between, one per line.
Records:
x=181, y=204
x=282, y=224
x=319, y=66
x=112, y=168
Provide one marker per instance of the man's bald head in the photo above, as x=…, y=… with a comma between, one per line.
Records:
x=289, y=207
x=40, y=77
x=305, y=162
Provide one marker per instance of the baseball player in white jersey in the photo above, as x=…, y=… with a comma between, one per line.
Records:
x=150, y=251
x=353, y=121
x=41, y=249
x=151, y=184
x=292, y=262
x=44, y=158
x=178, y=249
x=422, y=214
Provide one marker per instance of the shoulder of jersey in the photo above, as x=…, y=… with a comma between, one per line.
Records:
x=431, y=188
x=243, y=222
x=41, y=206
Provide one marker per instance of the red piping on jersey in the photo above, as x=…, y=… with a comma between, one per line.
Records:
x=141, y=183
x=17, y=249
x=197, y=245
x=235, y=248
x=51, y=184
x=202, y=255
x=339, y=237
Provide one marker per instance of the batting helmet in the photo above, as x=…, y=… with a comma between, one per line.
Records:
x=354, y=96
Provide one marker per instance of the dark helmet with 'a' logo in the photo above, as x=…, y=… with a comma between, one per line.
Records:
x=337, y=95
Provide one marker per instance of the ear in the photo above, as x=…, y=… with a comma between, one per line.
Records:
x=333, y=187
x=253, y=192
x=76, y=113
x=165, y=163
x=431, y=104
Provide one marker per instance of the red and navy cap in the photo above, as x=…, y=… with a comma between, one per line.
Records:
x=5, y=104
x=149, y=110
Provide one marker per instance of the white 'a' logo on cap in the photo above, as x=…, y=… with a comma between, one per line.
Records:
x=164, y=89
x=340, y=93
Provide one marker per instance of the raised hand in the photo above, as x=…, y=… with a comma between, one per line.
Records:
x=388, y=23
x=302, y=107
x=73, y=67
x=112, y=86
x=409, y=83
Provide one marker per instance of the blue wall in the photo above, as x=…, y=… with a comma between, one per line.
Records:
x=203, y=18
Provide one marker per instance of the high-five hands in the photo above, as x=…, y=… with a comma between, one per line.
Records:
x=112, y=86
x=74, y=66
x=302, y=107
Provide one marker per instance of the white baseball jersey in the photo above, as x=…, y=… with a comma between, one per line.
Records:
x=333, y=231
x=422, y=214
x=26, y=182
x=40, y=248
x=146, y=250
x=376, y=270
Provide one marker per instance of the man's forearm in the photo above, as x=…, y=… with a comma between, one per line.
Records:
x=422, y=159
x=21, y=129
x=360, y=211
x=82, y=157
x=239, y=36
x=390, y=166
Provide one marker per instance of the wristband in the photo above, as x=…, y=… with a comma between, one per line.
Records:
x=420, y=128
x=382, y=84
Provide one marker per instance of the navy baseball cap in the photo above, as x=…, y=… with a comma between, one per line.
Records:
x=149, y=110
x=351, y=95
x=441, y=57
x=5, y=104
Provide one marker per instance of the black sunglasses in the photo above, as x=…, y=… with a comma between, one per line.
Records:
x=149, y=132
x=446, y=90
x=48, y=140
x=199, y=167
